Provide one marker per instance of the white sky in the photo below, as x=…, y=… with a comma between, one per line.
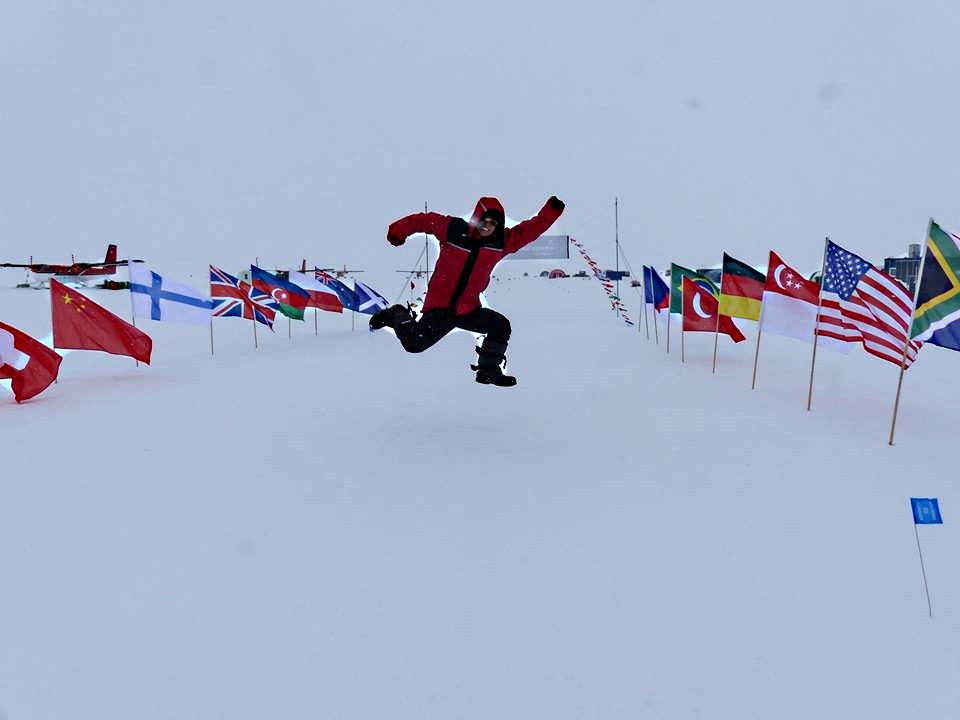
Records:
x=215, y=132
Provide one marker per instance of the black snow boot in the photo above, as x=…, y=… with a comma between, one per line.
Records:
x=491, y=354
x=390, y=317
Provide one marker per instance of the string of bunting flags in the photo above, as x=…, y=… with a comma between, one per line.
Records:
x=615, y=302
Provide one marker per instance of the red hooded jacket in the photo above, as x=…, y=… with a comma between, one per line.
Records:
x=466, y=260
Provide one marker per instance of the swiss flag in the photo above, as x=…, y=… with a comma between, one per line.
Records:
x=700, y=313
x=29, y=364
x=80, y=324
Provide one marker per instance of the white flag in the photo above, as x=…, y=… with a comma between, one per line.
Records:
x=155, y=298
x=790, y=305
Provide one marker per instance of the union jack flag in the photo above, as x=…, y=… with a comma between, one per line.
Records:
x=235, y=298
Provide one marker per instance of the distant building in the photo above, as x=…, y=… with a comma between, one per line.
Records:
x=905, y=269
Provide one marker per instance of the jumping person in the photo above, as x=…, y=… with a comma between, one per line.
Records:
x=468, y=253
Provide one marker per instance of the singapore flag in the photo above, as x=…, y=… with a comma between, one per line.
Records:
x=790, y=305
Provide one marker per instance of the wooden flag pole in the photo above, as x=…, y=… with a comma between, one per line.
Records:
x=813, y=359
x=668, y=329
x=756, y=354
x=716, y=338
x=923, y=570
x=133, y=321
x=906, y=345
x=716, y=334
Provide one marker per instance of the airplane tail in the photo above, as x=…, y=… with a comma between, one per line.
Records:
x=111, y=254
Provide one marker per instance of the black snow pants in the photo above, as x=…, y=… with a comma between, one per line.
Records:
x=417, y=336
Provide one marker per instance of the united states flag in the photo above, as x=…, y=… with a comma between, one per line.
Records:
x=235, y=298
x=863, y=304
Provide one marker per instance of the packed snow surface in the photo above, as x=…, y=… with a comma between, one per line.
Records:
x=328, y=527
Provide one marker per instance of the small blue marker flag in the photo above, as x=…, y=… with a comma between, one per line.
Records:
x=926, y=511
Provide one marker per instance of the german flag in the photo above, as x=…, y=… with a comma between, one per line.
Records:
x=741, y=289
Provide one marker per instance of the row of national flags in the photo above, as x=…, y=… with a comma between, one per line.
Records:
x=855, y=302
x=79, y=323
x=155, y=297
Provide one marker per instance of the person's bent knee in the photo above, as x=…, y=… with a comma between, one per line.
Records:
x=413, y=347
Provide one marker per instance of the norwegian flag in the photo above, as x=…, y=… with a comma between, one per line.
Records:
x=863, y=304
x=235, y=298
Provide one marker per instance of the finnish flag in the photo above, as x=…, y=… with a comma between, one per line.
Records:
x=155, y=298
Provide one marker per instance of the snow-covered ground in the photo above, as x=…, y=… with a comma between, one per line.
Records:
x=328, y=527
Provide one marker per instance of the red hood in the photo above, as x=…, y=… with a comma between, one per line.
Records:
x=487, y=204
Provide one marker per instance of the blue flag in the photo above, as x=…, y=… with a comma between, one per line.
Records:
x=348, y=298
x=926, y=511
x=369, y=300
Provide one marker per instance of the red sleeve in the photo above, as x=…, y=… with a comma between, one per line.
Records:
x=529, y=230
x=429, y=222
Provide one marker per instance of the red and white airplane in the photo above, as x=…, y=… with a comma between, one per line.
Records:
x=76, y=273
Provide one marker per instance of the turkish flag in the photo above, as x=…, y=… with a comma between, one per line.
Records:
x=29, y=364
x=80, y=324
x=700, y=310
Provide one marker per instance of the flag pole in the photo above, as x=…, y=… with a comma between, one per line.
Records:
x=716, y=333
x=813, y=360
x=683, y=334
x=716, y=339
x=255, y=343
x=668, y=325
x=616, y=225
x=656, y=332
x=646, y=321
x=316, y=329
x=923, y=570
x=756, y=354
x=211, y=336
x=906, y=344
x=133, y=321
x=289, y=328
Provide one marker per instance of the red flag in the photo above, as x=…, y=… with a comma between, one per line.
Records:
x=700, y=312
x=29, y=364
x=81, y=324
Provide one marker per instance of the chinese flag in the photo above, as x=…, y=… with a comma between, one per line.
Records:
x=81, y=324
x=29, y=364
x=700, y=310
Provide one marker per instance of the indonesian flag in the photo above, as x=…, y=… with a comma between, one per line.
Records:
x=321, y=296
x=29, y=364
x=700, y=311
x=80, y=324
x=790, y=305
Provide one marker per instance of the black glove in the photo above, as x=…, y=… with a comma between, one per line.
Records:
x=556, y=203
